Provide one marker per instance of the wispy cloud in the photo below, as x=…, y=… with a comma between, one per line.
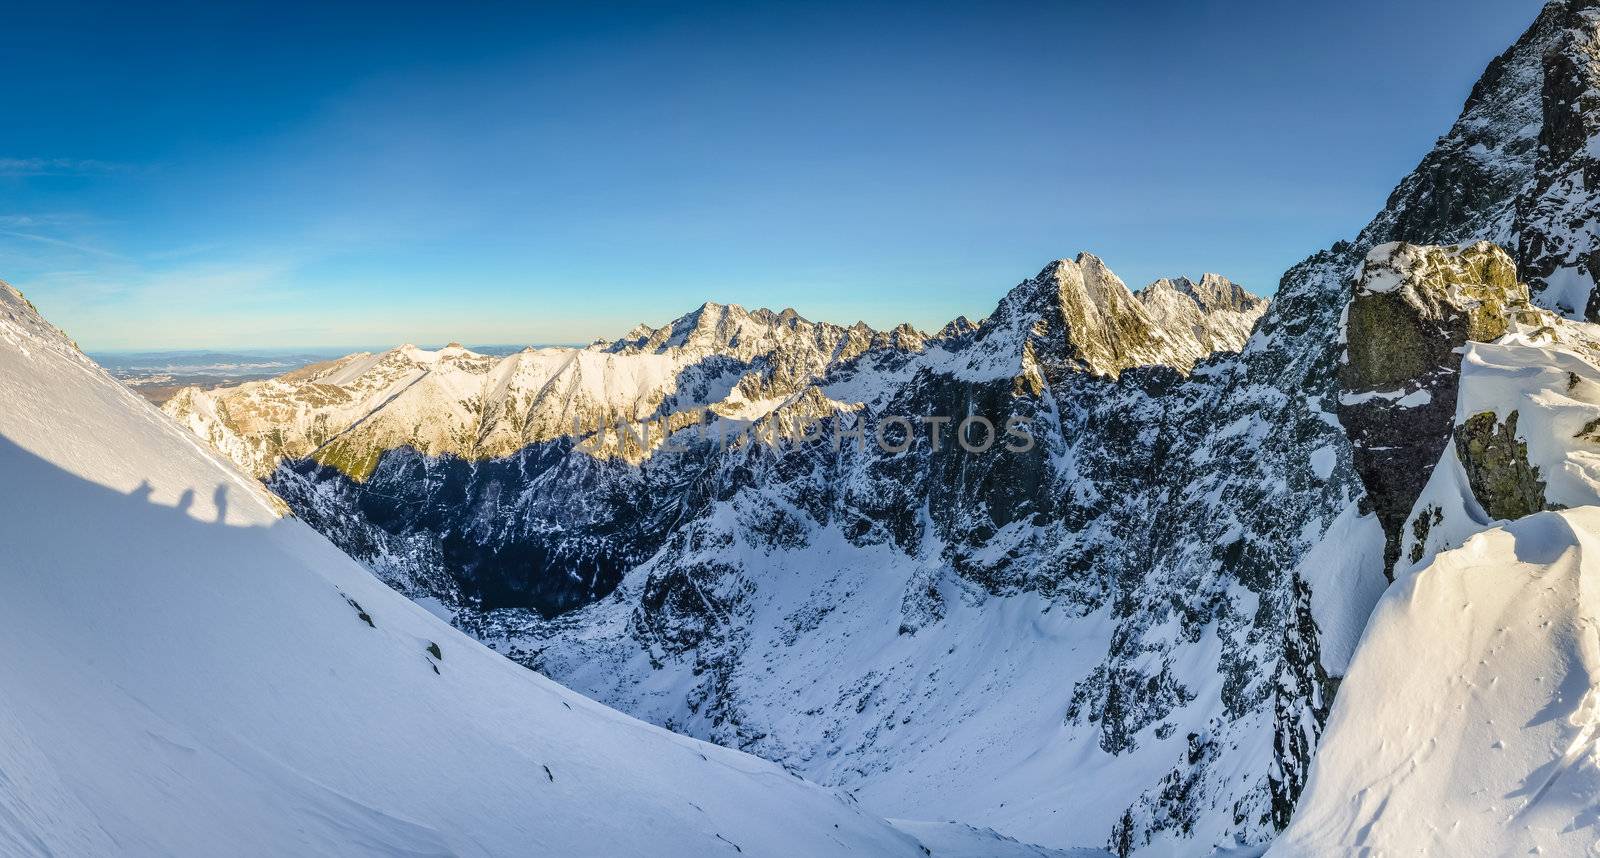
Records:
x=59, y=167
x=59, y=242
x=30, y=221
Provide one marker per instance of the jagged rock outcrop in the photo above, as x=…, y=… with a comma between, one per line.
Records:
x=1078, y=317
x=1558, y=222
x=1414, y=308
x=1496, y=463
x=960, y=326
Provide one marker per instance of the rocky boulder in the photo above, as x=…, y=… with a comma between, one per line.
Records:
x=1413, y=308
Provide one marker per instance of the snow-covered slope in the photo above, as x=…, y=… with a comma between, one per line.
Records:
x=1468, y=722
x=188, y=674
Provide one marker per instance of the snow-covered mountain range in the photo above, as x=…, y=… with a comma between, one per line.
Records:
x=1147, y=630
x=719, y=361
x=570, y=504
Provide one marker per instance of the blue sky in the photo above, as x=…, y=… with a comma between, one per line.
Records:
x=198, y=176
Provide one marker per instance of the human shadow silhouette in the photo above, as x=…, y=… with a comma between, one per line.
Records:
x=53, y=518
x=165, y=610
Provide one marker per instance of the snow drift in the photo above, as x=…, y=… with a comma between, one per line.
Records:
x=1468, y=722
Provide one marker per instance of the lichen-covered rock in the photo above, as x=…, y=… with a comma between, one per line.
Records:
x=1415, y=304
x=1413, y=308
x=1496, y=462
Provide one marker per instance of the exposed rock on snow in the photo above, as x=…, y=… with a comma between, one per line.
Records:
x=1520, y=438
x=1505, y=485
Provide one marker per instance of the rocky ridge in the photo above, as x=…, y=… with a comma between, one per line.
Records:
x=1214, y=315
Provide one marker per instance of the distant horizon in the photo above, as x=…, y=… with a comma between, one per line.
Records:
x=318, y=350
x=556, y=173
x=322, y=349
x=340, y=350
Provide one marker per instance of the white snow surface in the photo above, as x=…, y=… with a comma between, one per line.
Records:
x=954, y=838
x=1468, y=723
x=850, y=701
x=189, y=674
x=1552, y=384
x=1345, y=572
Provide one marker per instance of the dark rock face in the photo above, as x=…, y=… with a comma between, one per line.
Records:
x=1306, y=700
x=1413, y=309
x=478, y=526
x=1455, y=185
x=1496, y=462
x=1559, y=253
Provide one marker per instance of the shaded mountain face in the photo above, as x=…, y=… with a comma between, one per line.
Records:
x=1128, y=634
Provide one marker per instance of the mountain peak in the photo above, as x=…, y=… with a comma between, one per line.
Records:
x=732, y=330
x=1074, y=316
x=1078, y=316
x=957, y=327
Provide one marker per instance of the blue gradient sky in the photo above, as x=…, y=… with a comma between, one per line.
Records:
x=237, y=177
